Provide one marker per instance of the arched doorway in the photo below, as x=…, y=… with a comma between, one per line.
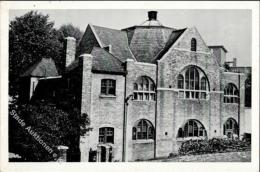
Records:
x=230, y=128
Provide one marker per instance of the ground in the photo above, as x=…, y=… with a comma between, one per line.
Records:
x=217, y=157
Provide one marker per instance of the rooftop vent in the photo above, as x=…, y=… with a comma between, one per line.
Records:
x=152, y=15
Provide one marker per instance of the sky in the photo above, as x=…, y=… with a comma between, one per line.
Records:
x=230, y=28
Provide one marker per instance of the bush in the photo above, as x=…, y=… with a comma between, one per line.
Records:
x=214, y=145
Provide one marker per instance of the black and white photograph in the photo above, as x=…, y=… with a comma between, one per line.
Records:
x=142, y=85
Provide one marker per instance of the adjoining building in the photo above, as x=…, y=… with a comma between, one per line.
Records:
x=148, y=88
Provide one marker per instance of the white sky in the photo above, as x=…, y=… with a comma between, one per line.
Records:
x=231, y=28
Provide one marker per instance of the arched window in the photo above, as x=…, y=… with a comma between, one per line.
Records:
x=231, y=94
x=230, y=128
x=193, y=44
x=143, y=130
x=108, y=87
x=144, y=89
x=192, y=128
x=196, y=84
x=106, y=135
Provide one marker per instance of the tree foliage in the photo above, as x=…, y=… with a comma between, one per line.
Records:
x=31, y=37
x=53, y=125
x=68, y=30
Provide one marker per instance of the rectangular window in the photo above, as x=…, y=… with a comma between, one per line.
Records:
x=108, y=87
x=106, y=135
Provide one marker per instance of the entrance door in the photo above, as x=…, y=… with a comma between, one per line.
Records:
x=103, y=154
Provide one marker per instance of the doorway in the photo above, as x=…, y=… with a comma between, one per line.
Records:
x=103, y=154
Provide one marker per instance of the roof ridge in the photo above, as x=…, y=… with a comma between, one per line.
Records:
x=127, y=39
x=166, y=46
x=106, y=28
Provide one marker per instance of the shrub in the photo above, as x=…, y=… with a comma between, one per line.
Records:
x=213, y=145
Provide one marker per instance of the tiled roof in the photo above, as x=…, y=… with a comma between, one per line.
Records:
x=118, y=41
x=147, y=41
x=172, y=39
x=103, y=61
x=43, y=68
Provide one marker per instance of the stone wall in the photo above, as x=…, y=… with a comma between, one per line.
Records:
x=168, y=113
x=137, y=110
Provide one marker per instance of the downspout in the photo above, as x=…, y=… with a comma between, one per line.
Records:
x=238, y=118
x=156, y=103
x=124, y=120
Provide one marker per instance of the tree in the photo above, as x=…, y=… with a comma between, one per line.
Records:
x=54, y=127
x=31, y=37
x=68, y=30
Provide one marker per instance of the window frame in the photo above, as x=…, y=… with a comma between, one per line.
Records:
x=231, y=94
x=103, y=138
x=230, y=126
x=192, y=90
x=109, y=84
x=143, y=130
x=192, y=128
x=144, y=89
x=193, y=46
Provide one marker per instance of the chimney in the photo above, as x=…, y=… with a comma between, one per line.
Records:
x=152, y=15
x=219, y=51
x=70, y=49
x=234, y=62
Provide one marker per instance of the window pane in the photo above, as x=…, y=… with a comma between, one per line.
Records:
x=146, y=96
x=135, y=96
x=152, y=87
x=112, y=91
x=187, y=93
x=152, y=96
x=140, y=96
x=180, y=81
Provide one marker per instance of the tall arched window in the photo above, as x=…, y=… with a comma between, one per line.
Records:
x=231, y=94
x=143, y=130
x=193, y=44
x=192, y=128
x=144, y=89
x=106, y=135
x=230, y=127
x=196, y=84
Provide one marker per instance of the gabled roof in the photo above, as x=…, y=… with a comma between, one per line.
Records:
x=118, y=41
x=103, y=61
x=172, y=39
x=43, y=68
